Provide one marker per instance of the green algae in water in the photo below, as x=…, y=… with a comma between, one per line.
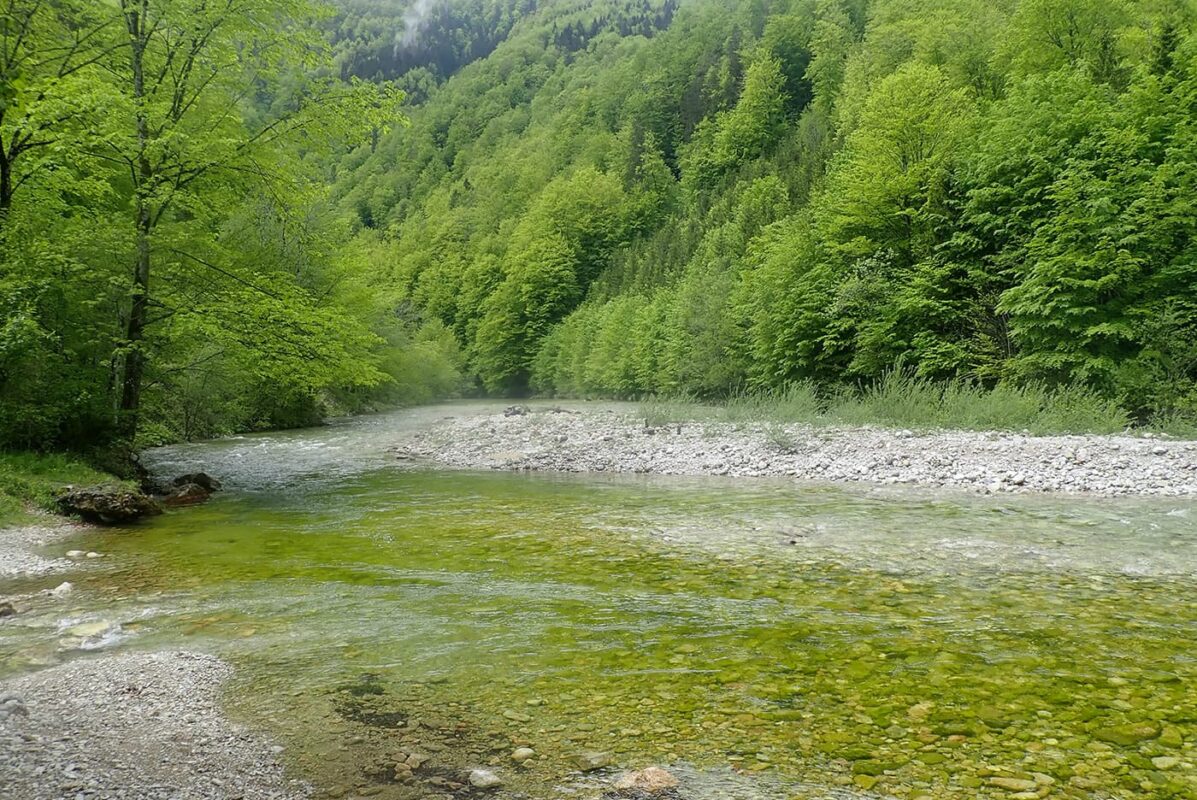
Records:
x=797, y=642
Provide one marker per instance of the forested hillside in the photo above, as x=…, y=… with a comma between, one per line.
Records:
x=218, y=219
x=638, y=196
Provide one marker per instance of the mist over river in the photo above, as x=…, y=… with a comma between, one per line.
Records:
x=395, y=625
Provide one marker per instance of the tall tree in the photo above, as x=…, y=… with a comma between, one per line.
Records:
x=187, y=142
x=47, y=52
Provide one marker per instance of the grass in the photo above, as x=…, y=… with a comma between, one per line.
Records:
x=30, y=482
x=902, y=400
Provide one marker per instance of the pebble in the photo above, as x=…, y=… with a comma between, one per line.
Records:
x=650, y=781
x=591, y=760
x=1014, y=784
x=522, y=754
x=81, y=727
x=485, y=779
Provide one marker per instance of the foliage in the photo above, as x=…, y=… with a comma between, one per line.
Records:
x=615, y=198
x=995, y=195
x=171, y=267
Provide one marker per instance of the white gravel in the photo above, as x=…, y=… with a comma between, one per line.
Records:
x=18, y=548
x=140, y=726
x=604, y=441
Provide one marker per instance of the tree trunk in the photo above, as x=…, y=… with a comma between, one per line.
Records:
x=135, y=358
x=6, y=187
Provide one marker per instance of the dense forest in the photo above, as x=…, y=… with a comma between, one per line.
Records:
x=585, y=197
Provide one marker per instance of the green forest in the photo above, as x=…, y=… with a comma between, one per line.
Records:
x=222, y=216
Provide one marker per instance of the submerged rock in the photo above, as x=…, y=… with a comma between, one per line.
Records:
x=517, y=411
x=62, y=590
x=7, y=609
x=651, y=781
x=108, y=506
x=590, y=761
x=1129, y=734
x=485, y=779
x=522, y=754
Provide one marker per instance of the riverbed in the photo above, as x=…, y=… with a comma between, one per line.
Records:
x=395, y=624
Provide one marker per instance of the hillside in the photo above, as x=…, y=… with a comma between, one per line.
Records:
x=627, y=197
x=216, y=219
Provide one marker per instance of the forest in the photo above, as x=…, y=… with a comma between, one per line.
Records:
x=220, y=217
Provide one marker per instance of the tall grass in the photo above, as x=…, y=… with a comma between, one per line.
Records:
x=902, y=400
x=33, y=481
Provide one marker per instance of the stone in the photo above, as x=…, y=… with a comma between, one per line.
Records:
x=189, y=494
x=591, y=761
x=517, y=411
x=11, y=706
x=87, y=630
x=200, y=479
x=485, y=779
x=1165, y=762
x=107, y=505
x=76, y=553
x=62, y=590
x=1128, y=735
x=94, y=554
x=522, y=754
x=1014, y=784
x=1171, y=737
x=7, y=609
x=650, y=781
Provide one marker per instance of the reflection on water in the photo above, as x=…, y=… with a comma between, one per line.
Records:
x=765, y=639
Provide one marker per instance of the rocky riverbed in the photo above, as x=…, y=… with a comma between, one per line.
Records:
x=20, y=548
x=141, y=726
x=602, y=440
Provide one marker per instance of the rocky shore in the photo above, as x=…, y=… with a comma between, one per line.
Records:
x=141, y=726
x=608, y=441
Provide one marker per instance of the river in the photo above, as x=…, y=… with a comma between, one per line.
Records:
x=760, y=638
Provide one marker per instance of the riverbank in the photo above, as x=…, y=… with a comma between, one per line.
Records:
x=21, y=546
x=600, y=439
x=31, y=482
x=142, y=726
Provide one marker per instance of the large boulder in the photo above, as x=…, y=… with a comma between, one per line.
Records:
x=189, y=490
x=200, y=479
x=107, y=505
x=189, y=494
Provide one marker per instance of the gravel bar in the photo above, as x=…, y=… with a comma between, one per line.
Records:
x=603, y=441
x=138, y=726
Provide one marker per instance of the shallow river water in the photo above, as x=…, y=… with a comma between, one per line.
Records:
x=762, y=639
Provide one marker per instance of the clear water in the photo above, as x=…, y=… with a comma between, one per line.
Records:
x=760, y=638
